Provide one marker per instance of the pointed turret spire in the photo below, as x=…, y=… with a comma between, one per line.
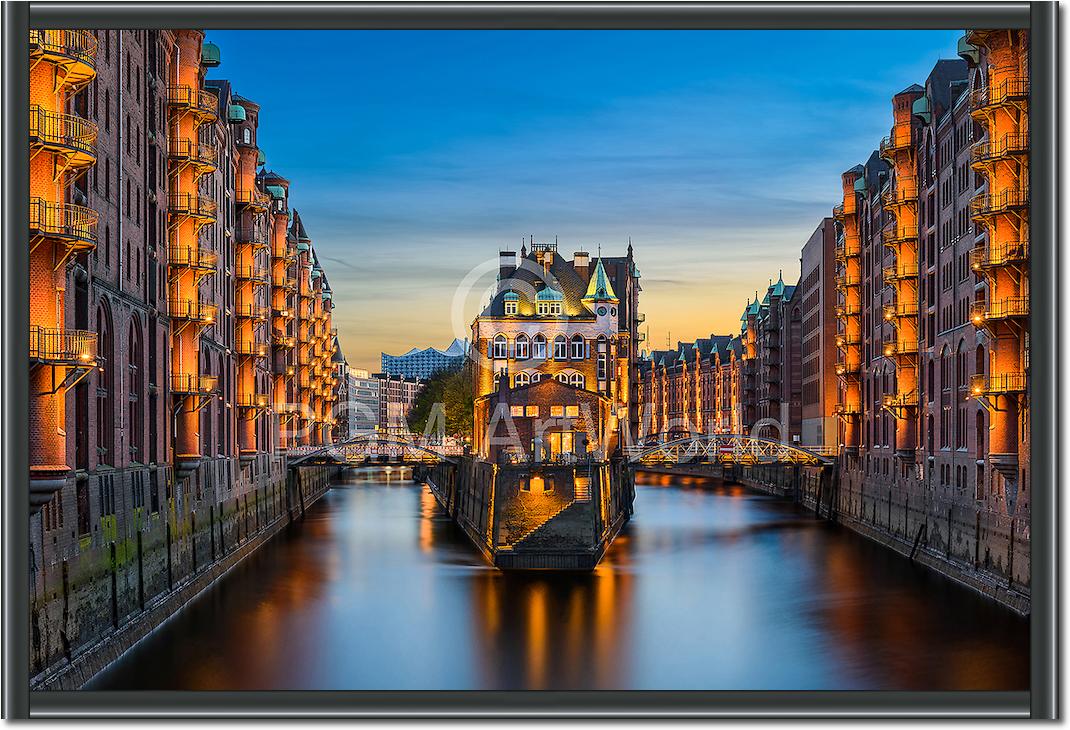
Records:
x=600, y=289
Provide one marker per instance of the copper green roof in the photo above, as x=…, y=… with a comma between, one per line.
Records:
x=599, y=288
x=549, y=294
x=511, y=296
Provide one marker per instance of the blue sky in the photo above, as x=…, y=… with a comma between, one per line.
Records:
x=415, y=156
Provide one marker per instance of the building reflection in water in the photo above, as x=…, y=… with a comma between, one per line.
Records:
x=709, y=587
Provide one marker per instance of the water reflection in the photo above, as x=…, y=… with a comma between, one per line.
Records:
x=709, y=587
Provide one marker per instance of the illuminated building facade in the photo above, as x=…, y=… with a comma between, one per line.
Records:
x=162, y=386
x=560, y=319
x=932, y=314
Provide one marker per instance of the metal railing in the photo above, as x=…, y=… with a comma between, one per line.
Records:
x=192, y=310
x=199, y=100
x=900, y=400
x=998, y=384
x=848, y=409
x=991, y=203
x=64, y=131
x=251, y=347
x=187, y=149
x=256, y=235
x=1008, y=144
x=63, y=220
x=78, y=45
x=984, y=257
x=63, y=346
x=251, y=311
x=251, y=273
x=1014, y=88
x=253, y=400
x=900, y=309
x=906, y=270
x=192, y=256
x=252, y=198
x=897, y=140
x=189, y=383
x=900, y=347
x=903, y=190
x=1001, y=309
x=191, y=204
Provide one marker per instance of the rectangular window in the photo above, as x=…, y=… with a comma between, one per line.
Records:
x=516, y=411
x=572, y=411
x=531, y=411
x=510, y=307
x=557, y=411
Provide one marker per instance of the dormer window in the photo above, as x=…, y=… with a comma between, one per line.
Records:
x=549, y=309
x=512, y=303
x=548, y=302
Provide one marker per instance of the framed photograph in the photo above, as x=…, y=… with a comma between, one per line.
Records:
x=529, y=360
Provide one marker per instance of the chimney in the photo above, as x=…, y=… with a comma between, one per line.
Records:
x=506, y=264
x=581, y=262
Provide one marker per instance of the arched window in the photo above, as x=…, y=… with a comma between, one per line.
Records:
x=960, y=363
x=577, y=347
x=522, y=379
x=497, y=379
x=560, y=348
x=135, y=383
x=500, y=349
x=538, y=347
x=562, y=378
x=105, y=389
x=536, y=377
x=577, y=380
x=523, y=350
x=979, y=360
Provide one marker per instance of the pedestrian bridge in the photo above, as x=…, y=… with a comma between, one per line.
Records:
x=722, y=449
x=376, y=448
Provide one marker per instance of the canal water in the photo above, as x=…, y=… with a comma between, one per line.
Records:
x=708, y=587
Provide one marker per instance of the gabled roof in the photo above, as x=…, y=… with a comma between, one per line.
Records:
x=528, y=279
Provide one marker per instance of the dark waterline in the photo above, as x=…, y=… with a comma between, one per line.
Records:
x=708, y=587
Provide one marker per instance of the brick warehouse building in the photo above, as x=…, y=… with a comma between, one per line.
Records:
x=169, y=292
x=933, y=318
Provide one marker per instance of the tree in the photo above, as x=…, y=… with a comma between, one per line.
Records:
x=453, y=390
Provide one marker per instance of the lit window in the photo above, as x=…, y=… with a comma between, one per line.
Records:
x=501, y=347
x=522, y=347
x=577, y=347
x=516, y=411
x=557, y=411
x=538, y=348
x=560, y=348
x=510, y=307
x=572, y=411
x=531, y=411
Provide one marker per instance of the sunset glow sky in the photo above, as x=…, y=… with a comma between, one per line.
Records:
x=415, y=156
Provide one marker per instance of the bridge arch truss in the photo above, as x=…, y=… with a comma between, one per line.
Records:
x=723, y=449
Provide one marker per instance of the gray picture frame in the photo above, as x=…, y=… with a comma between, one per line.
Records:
x=1040, y=17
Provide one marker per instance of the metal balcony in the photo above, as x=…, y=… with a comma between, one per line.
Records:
x=899, y=272
x=848, y=247
x=193, y=205
x=1000, y=309
x=202, y=103
x=838, y=213
x=899, y=139
x=253, y=400
x=193, y=257
x=844, y=369
x=289, y=283
x=253, y=199
x=845, y=340
x=74, y=225
x=894, y=234
x=899, y=401
x=998, y=384
x=904, y=190
x=185, y=150
x=74, y=50
x=250, y=234
x=256, y=274
x=193, y=311
x=1010, y=252
x=848, y=409
x=1007, y=146
x=843, y=280
x=900, y=309
x=64, y=134
x=1008, y=91
x=251, y=311
x=283, y=342
x=63, y=347
x=988, y=204
x=900, y=348
x=193, y=384
x=251, y=348
x=848, y=310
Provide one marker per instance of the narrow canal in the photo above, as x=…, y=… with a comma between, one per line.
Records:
x=708, y=587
